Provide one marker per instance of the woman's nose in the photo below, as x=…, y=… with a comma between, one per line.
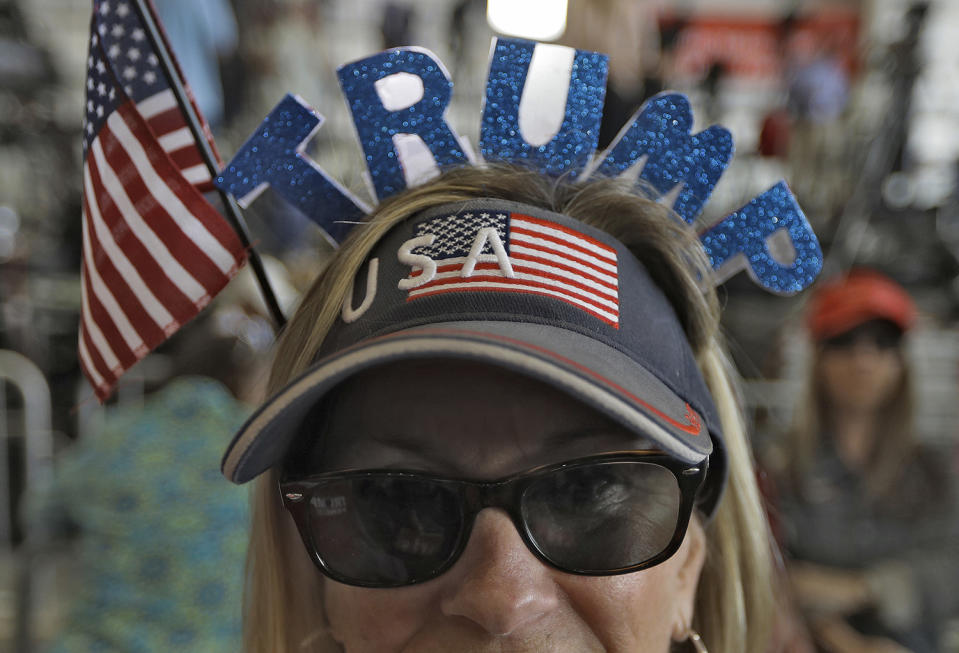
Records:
x=498, y=583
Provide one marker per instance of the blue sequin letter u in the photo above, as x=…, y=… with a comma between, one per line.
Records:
x=573, y=143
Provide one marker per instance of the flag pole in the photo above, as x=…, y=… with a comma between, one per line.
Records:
x=193, y=122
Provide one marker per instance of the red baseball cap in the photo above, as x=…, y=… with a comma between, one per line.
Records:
x=857, y=297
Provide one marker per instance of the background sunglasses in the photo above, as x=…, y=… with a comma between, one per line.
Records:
x=882, y=334
x=602, y=515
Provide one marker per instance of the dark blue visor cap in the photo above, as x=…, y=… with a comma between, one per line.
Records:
x=521, y=288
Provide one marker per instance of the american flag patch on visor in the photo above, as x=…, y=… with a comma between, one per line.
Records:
x=512, y=252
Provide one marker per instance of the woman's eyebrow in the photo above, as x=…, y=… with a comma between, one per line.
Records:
x=583, y=436
x=408, y=444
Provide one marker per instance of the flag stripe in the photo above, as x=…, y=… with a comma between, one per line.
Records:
x=97, y=346
x=93, y=365
x=123, y=303
x=197, y=175
x=600, y=295
x=517, y=249
x=127, y=216
x=149, y=296
x=134, y=217
x=547, y=243
x=97, y=315
x=111, y=248
x=166, y=122
x=187, y=157
x=568, y=272
x=169, y=126
x=563, y=234
x=158, y=104
x=454, y=279
x=175, y=140
x=109, y=361
x=522, y=273
x=111, y=288
x=609, y=318
x=535, y=234
x=194, y=284
x=190, y=224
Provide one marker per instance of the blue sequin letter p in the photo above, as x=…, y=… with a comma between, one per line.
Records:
x=273, y=157
x=771, y=238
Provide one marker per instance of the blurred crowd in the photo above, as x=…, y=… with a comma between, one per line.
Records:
x=852, y=387
x=865, y=511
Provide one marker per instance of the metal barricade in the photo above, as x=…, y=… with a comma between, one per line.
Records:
x=30, y=420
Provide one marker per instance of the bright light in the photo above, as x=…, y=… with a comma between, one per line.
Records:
x=538, y=20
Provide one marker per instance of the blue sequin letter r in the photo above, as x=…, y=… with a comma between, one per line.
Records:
x=398, y=100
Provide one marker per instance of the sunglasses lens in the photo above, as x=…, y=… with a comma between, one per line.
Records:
x=603, y=516
x=881, y=334
x=385, y=530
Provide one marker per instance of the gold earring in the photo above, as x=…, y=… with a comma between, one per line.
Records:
x=693, y=638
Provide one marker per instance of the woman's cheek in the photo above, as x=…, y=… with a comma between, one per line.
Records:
x=632, y=612
x=375, y=620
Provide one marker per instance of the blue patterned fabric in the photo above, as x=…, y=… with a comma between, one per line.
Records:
x=163, y=537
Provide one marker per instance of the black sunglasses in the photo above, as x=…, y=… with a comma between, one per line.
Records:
x=607, y=514
x=882, y=334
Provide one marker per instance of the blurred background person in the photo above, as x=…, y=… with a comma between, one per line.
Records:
x=868, y=514
x=818, y=88
x=201, y=34
x=154, y=533
x=396, y=25
x=160, y=540
x=627, y=30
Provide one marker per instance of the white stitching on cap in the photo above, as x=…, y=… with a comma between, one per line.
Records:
x=421, y=261
x=492, y=236
x=349, y=314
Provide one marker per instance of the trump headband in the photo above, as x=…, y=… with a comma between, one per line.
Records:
x=542, y=108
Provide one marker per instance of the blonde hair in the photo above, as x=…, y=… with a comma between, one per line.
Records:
x=735, y=595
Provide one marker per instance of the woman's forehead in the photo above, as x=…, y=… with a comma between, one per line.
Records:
x=457, y=413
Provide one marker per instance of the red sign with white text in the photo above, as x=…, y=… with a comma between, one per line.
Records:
x=759, y=47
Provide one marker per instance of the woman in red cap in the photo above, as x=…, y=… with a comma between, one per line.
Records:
x=866, y=512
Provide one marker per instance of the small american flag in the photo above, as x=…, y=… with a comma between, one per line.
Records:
x=541, y=258
x=137, y=69
x=154, y=250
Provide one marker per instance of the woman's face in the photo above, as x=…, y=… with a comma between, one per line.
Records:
x=862, y=369
x=474, y=421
